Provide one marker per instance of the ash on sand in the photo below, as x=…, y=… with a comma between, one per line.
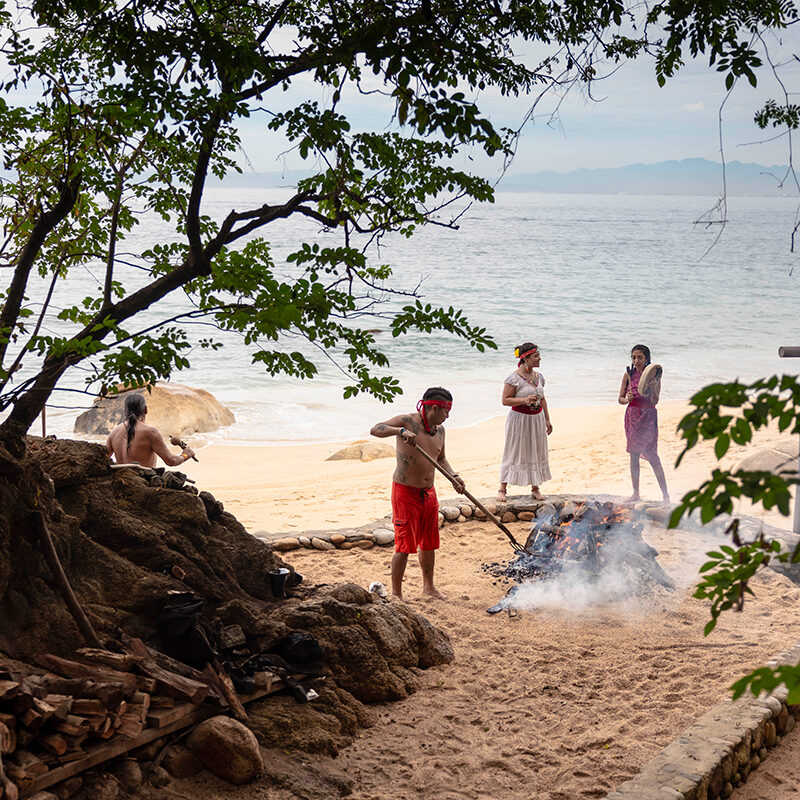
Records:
x=579, y=557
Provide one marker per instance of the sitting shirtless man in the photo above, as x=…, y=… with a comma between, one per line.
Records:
x=133, y=442
x=415, y=509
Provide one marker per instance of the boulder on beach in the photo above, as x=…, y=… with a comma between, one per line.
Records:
x=780, y=459
x=173, y=408
x=364, y=450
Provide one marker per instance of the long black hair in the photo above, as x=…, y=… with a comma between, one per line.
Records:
x=135, y=407
x=646, y=350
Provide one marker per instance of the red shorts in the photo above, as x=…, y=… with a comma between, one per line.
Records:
x=415, y=513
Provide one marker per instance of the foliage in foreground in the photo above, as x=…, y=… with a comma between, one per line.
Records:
x=113, y=109
x=726, y=413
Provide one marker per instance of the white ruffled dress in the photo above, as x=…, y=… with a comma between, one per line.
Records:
x=525, y=460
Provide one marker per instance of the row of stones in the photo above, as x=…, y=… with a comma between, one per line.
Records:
x=720, y=750
x=522, y=509
x=363, y=539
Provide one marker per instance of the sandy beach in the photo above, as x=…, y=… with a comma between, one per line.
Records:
x=294, y=488
x=555, y=703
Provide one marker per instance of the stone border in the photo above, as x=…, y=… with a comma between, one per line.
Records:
x=720, y=750
x=452, y=510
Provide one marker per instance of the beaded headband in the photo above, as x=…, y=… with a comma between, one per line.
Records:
x=523, y=356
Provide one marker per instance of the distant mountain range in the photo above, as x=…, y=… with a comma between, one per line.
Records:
x=689, y=176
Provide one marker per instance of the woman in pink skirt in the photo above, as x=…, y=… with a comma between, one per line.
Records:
x=641, y=420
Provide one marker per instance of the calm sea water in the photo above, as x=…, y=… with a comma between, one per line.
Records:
x=585, y=277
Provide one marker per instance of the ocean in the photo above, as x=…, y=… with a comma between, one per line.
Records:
x=584, y=276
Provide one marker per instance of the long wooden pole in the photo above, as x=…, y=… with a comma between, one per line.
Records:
x=75, y=608
x=514, y=543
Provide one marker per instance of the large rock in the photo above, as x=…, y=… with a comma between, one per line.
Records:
x=373, y=649
x=324, y=726
x=171, y=407
x=227, y=749
x=779, y=459
x=364, y=450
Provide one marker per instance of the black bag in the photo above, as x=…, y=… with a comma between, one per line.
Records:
x=301, y=651
x=182, y=636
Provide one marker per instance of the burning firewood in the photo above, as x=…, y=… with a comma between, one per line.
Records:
x=594, y=537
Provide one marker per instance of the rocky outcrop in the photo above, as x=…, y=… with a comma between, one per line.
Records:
x=118, y=533
x=363, y=450
x=174, y=409
x=374, y=649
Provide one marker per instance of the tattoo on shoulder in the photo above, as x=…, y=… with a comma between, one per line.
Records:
x=411, y=424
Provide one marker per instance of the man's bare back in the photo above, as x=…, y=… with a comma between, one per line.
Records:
x=146, y=443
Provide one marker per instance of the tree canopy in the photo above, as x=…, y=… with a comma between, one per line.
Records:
x=113, y=108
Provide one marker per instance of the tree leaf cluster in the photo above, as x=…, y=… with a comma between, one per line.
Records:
x=726, y=413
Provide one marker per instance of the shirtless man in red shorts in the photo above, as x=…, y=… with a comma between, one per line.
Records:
x=415, y=508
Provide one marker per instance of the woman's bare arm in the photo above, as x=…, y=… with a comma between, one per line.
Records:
x=623, y=390
x=509, y=400
x=547, y=416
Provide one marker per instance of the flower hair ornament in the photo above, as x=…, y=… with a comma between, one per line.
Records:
x=445, y=404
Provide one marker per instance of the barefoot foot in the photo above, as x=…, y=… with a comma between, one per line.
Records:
x=633, y=498
x=434, y=592
x=500, y=496
x=536, y=494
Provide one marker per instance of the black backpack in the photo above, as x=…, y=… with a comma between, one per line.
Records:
x=182, y=636
x=301, y=651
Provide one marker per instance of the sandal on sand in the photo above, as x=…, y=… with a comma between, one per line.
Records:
x=536, y=494
x=501, y=496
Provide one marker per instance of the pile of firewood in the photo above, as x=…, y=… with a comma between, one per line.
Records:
x=51, y=719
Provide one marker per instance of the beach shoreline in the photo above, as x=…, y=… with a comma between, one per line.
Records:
x=292, y=488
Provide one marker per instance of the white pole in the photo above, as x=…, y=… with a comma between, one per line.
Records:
x=794, y=352
x=796, y=526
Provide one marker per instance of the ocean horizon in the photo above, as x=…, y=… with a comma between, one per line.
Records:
x=584, y=276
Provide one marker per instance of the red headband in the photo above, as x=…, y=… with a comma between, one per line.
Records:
x=522, y=356
x=445, y=404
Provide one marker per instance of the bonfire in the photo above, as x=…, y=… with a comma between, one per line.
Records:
x=588, y=542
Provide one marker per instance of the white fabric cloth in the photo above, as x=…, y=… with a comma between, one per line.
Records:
x=525, y=458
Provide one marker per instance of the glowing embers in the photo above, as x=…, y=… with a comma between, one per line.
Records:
x=577, y=531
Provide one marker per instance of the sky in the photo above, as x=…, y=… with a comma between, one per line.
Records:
x=631, y=120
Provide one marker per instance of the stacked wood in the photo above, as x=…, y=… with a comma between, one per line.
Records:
x=52, y=719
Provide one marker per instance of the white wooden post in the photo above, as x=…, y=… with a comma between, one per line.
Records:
x=794, y=352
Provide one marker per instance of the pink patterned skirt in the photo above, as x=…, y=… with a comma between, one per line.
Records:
x=641, y=428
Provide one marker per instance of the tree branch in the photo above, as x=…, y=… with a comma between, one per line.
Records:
x=68, y=195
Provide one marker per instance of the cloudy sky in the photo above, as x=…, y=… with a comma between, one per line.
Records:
x=631, y=120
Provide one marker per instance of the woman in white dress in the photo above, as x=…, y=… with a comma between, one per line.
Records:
x=527, y=426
